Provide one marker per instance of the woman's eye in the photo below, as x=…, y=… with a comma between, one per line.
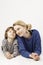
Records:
x=18, y=28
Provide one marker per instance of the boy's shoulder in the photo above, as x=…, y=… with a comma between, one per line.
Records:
x=4, y=41
x=15, y=41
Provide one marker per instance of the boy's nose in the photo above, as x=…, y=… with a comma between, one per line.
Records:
x=12, y=34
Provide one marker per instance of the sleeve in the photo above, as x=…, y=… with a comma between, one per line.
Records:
x=3, y=47
x=22, y=49
x=38, y=43
x=16, y=52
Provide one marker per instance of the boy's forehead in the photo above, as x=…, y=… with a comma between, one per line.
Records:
x=11, y=29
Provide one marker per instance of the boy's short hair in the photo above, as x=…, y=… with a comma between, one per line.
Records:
x=6, y=36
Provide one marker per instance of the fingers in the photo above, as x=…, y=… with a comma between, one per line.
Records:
x=8, y=55
x=34, y=56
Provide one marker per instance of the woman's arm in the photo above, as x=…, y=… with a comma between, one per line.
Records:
x=22, y=49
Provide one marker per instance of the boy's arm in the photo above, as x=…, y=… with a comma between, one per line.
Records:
x=3, y=47
x=16, y=52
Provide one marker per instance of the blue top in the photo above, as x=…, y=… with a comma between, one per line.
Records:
x=27, y=46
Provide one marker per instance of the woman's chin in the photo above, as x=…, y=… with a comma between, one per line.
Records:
x=20, y=35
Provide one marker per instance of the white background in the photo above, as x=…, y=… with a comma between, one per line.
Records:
x=30, y=11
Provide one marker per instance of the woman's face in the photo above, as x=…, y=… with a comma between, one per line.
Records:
x=11, y=33
x=20, y=30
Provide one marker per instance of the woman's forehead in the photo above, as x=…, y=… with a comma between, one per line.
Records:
x=17, y=26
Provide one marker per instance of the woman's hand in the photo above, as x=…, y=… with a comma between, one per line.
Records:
x=34, y=56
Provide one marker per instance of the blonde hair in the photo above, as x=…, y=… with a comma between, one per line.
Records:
x=29, y=26
x=22, y=23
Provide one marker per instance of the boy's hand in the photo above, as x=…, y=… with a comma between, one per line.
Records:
x=12, y=56
x=8, y=55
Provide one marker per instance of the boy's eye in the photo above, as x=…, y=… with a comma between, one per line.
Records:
x=26, y=31
x=9, y=31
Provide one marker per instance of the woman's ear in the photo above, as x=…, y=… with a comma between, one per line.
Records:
x=28, y=26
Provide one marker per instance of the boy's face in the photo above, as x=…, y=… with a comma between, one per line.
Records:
x=11, y=34
x=20, y=30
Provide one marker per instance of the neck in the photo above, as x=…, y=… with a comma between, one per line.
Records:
x=10, y=40
x=27, y=34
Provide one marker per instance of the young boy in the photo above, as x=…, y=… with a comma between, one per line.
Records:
x=10, y=44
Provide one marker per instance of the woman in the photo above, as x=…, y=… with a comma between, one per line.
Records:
x=29, y=41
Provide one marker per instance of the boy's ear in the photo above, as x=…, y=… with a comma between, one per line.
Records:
x=29, y=26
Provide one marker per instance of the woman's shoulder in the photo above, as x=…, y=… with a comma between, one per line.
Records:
x=34, y=30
